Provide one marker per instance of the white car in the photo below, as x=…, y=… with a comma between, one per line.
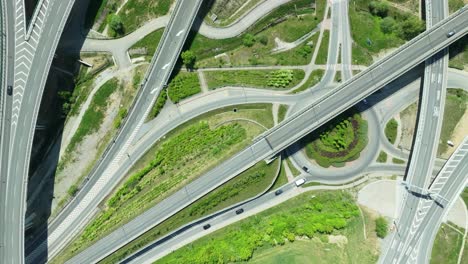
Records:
x=300, y=182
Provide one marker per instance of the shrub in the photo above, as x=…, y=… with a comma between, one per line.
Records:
x=73, y=190
x=280, y=78
x=391, y=130
x=249, y=40
x=387, y=25
x=411, y=27
x=304, y=51
x=115, y=23
x=263, y=39
x=381, y=227
x=378, y=8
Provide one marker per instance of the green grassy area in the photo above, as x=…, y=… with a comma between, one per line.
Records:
x=288, y=22
x=455, y=106
x=282, y=110
x=382, y=158
x=150, y=43
x=458, y=53
x=271, y=79
x=158, y=105
x=391, y=130
x=374, y=32
x=186, y=153
x=94, y=115
x=131, y=15
x=293, y=169
x=281, y=180
x=322, y=54
x=264, y=237
x=134, y=16
x=447, y=245
x=398, y=161
x=314, y=78
x=338, y=141
x=183, y=85
x=246, y=185
x=454, y=5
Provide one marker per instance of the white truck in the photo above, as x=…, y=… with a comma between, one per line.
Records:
x=299, y=182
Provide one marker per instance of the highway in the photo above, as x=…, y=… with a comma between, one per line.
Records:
x=100, y=183
x=447, y=187
x=27, y=70
x=426, y=141
x=289, y=130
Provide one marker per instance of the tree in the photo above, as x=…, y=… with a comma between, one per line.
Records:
x=411, y=27
x=387, y=25
x=189, y=58
x=115, y=23
x=378, y=8
x=248, y=40
x=263, y=39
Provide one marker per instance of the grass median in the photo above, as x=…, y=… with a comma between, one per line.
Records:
x=456, y=103
x=186, y=153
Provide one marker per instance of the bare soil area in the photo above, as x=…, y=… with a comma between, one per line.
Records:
x=408, y=124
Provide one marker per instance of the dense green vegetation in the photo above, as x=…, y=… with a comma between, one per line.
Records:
x=391, y=130
x=282, y=110
x=382, y=158
x=186, y=153
x=307, y=215
x=288, y=22
x=183, y=85
x=338, y=141
x=273, y=79
x=455, y=106
x=94, y=115
x=377, y=26
x=464, y=196
x=398, y=161
x=454, y=5
x=322, y=54
x=149, y=42
x=447, y=245
x=381, y=227
x=314, y=78
x=458, y=52
x=246, y=185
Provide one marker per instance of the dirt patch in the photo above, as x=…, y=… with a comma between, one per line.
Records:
x=408, y=125
x=339, y=240
x=460, y=132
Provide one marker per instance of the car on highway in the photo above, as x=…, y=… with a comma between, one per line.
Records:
x=451, y=33
x=278, y=192
x=239, y=211
x=299, y=182
x=10, y=90
x=205, y=227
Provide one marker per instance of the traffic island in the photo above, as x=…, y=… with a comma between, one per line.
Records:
x=339, y=141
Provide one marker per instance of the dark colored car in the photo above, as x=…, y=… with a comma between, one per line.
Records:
x=278, y=192
x=206, y=226
x=10, y=90
x=451, y=33
x=239, y=211
x=305, y=169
